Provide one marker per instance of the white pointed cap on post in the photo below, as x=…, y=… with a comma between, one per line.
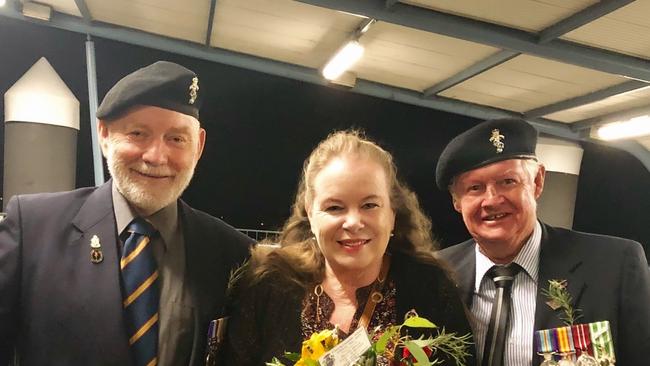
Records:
x=562, y=160
x=41, y=96
x=559, y=155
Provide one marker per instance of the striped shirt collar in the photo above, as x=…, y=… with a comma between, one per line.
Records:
x=527, y=258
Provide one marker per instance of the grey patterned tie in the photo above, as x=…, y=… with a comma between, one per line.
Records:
x=503, y=276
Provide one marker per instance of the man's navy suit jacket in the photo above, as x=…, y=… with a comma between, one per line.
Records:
x=59, y=308
x=608, y=278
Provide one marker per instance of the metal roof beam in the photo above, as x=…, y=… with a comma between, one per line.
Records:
x=15, y=4
x=83, y=9
x=564, y=26
x=477, y=68
x=390, y=3
x=592, y=97
x=144, y=39
x=588, y=123
x=199, y=51
x=581, y=18
x=208, y=32
x=494, y=35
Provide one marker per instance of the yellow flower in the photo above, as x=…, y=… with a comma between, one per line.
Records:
x=316, y=346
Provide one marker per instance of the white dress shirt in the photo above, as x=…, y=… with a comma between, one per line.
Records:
x=519, y=339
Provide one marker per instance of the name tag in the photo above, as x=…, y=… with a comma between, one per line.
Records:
x=348, y=351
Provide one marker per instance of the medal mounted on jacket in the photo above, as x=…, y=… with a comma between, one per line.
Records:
x=216, y=336
x=217, y=330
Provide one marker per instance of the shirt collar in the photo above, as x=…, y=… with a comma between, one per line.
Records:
x=527, y=258
x=164, y=220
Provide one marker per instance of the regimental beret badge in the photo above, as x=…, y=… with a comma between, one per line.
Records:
x=162, y=84
x=194, y=89
x=496, y=138
x=484, y=144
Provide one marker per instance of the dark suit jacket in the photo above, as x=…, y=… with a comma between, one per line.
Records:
x=608, y=278
x=58, y=308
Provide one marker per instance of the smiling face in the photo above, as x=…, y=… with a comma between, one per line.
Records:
x=350, y=213
x=498, y=203
x=151, y=154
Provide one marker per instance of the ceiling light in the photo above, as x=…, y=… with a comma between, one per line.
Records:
x=634, y=127
x=2, y=3
x=347, y=56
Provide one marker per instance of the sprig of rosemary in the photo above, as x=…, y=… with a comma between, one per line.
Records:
x=559, y=297
x=453, y=345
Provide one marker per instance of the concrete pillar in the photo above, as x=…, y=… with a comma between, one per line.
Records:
x=41, y=127
x=562, y=160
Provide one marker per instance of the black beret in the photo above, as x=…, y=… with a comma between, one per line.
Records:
x=162, y=84
x=486, y=143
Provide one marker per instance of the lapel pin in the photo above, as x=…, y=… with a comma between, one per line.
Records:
x=96, y=255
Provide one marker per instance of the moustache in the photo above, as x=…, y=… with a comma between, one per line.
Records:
x=157, y=171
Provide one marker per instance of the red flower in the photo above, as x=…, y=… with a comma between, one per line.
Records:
x=406, y=355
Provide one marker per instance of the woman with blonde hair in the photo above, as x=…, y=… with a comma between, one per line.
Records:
x=356, y=252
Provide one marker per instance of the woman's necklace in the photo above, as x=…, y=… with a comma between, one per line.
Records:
x=374, y=297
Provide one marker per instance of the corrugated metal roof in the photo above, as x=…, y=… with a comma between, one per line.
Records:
x=570, y=59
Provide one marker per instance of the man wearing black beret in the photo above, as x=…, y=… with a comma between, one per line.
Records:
x=125, y=273
x=494, y=179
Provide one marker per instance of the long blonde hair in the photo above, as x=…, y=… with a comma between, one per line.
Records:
x=299, y=258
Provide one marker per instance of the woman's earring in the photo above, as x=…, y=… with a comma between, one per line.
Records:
x=392, y=234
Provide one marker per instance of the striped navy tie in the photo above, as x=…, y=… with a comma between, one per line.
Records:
x=495, y=340
x=140, y=292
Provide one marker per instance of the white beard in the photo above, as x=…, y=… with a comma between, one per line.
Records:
x=146, y=199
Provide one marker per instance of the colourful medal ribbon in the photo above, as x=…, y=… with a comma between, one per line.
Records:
x=601, y=337
x=565, y=340
x=212, y=330
x=582, y=339
x=545, y=341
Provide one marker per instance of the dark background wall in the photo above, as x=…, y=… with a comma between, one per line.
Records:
x=261, y=127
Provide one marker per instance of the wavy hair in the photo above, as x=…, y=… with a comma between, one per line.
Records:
x=299, y=259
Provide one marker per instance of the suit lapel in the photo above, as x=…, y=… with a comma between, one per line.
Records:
x=203, y=258
x=467, y=275
x=96, y=286
x=557, y=262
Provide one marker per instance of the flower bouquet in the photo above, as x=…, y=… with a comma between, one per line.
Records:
x=393, y=344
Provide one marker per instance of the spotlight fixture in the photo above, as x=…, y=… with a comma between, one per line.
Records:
x=634, y=127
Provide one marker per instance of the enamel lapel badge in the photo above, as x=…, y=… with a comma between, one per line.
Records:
x=96, y=255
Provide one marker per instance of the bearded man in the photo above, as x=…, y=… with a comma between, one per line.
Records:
x=125, y=273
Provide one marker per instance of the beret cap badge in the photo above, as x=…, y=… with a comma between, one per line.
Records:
x=194, y=88
x=162, y=84
x=496, y=138
x=484, y=144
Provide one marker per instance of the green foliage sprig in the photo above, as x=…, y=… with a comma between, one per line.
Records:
x=559, y=297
